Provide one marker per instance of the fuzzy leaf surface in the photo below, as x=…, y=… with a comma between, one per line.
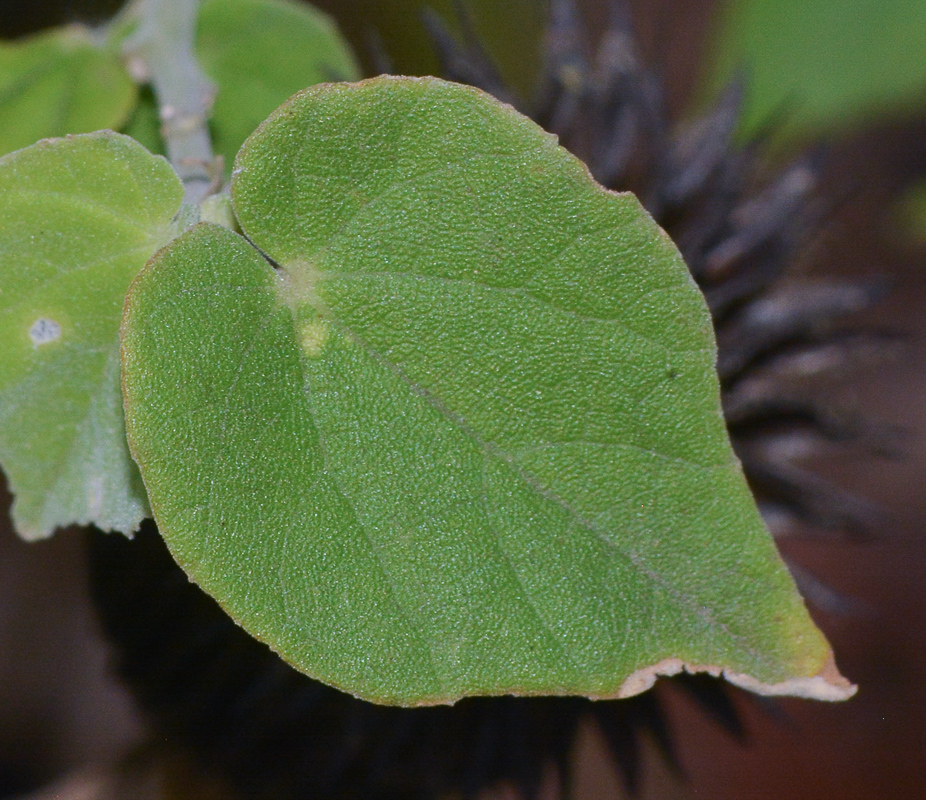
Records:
x=260, y=52
x=78, y=219
x=58, y=82
x=467, y=439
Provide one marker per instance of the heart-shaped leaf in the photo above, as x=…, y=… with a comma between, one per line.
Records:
x=78, y=219
x=467, y=438
x=58, y=82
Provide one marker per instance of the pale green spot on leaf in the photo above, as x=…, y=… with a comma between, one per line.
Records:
x=313, y=336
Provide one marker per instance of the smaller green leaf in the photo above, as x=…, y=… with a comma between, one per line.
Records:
x=260, y=52
x=58, y=82
x=79, y=217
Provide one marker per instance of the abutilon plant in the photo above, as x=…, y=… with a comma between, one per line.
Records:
x=261, y=729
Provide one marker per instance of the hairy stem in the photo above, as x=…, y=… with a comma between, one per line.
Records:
x=161, y=52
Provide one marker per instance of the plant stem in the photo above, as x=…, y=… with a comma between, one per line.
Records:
x=161, y=51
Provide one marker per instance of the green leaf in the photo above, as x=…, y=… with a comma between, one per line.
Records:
x=467, y=439
x=61, y=81
x=78, y=219
x=824, y=63
x=144, y=126
x=260, y=52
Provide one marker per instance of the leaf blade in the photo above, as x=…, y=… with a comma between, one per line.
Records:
x=451, y=383
x=80, y=216
x=59, y=82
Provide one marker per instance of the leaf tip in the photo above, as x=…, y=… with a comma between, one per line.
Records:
x=827, y=684
x=32, y=533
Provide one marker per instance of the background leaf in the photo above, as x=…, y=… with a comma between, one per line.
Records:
x=144, y=126
x=78, y=219
x=61, y=81
x=912, y=211
x=260, y=52
x=468, y=440
x=824, y=63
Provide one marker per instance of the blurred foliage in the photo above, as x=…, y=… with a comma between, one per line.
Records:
x=821, y=65
x=913, y=212
x=65, y=80
x=144, y=126
x=259, y=52
x=511, y=30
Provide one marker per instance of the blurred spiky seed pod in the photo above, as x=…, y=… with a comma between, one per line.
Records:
x=271, y=732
